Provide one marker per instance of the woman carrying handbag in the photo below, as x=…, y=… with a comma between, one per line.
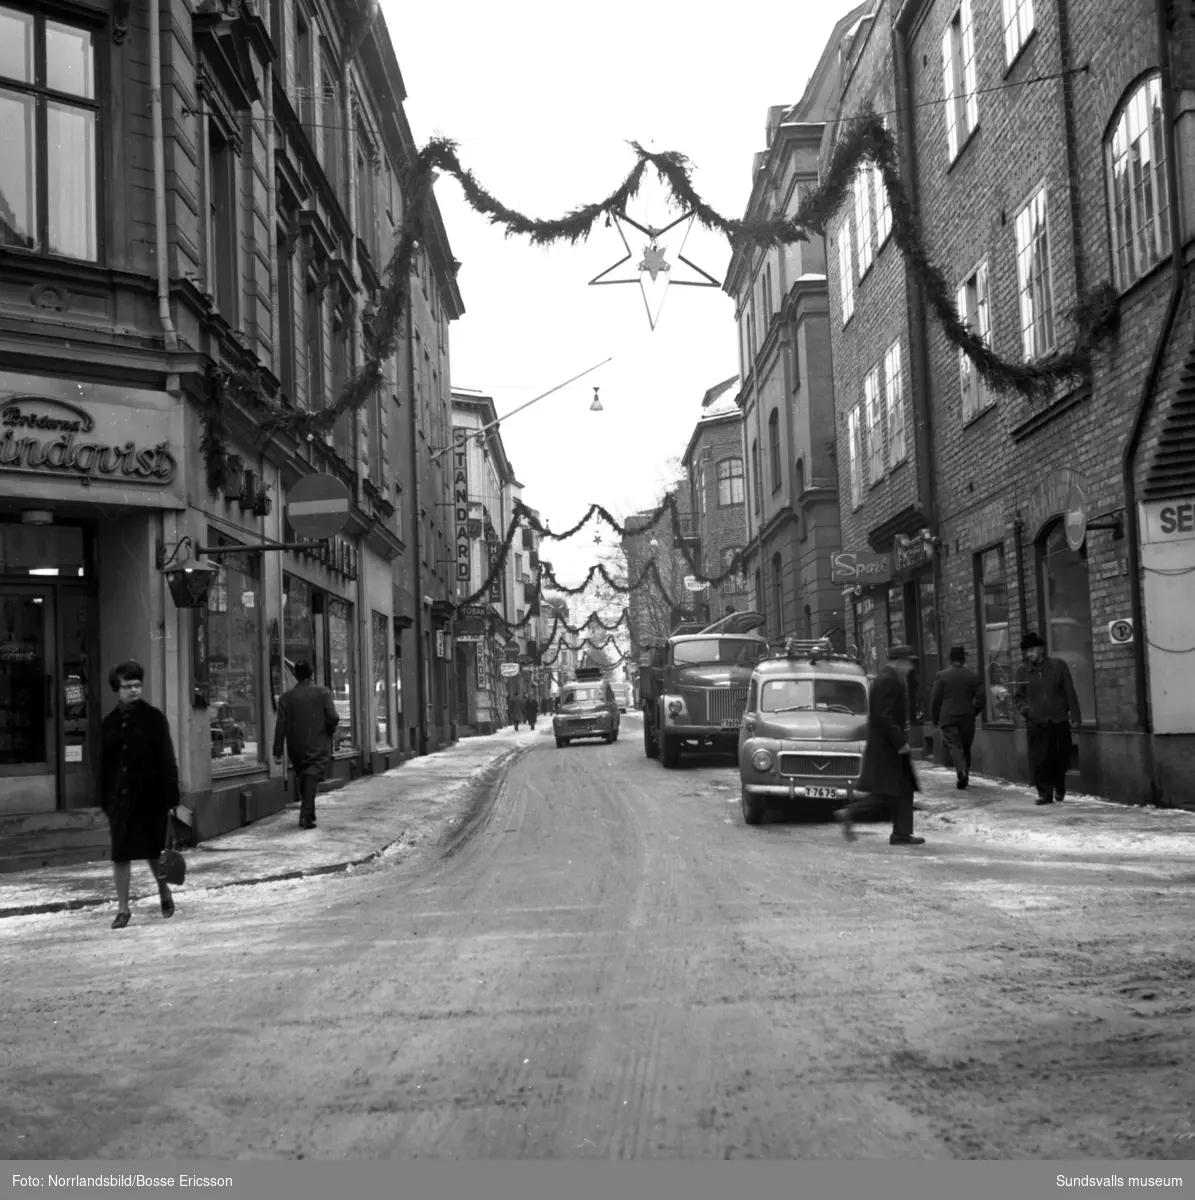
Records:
x=139, y=785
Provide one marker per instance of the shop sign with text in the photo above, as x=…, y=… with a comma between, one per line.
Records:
x=41, y=435
x=860, y=567
x=460, y=503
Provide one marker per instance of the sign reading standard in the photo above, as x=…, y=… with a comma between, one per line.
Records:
x=460, y=502
x=39, y=435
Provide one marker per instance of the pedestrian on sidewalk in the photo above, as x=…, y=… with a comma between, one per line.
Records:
x=1045, y=697
x=516, y=711
x=138, y=784
x=307, y=718
x=888, y=774
x=955, y=702
x=530, y=711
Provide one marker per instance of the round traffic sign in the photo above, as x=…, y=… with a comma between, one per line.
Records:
x=1075, y=517
x=317, y=507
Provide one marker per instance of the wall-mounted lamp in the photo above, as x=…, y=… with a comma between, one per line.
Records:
x=596, y=406
x=191, y=579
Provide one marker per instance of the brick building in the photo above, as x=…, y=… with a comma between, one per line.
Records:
x=220, y=189
x=1039, y=145
x=713, y=460
x=787, y=391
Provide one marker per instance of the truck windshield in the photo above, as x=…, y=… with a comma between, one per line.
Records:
x=826, y=695
x=725, y=651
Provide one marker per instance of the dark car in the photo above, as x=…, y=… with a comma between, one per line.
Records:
x=227, y=733
x=587, y=710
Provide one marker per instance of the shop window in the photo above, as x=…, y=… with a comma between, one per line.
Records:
x=49, y=136
x=1065, y=602
x=233, y=640
x=991, y=593
x=865, y=622
x=45, y=550
x=23, y=676
x=381, y=681
x=896, y=615
x=318, y=628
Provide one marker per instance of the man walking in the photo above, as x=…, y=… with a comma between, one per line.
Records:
x=956, y=700
x=530, y=711
x=1045, y=696
x=888, y=773
x=306, y=720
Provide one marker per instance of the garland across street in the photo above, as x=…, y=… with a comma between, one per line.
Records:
x=866, y=139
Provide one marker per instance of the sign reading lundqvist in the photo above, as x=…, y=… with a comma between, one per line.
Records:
x=43, y=435
x=460, y=502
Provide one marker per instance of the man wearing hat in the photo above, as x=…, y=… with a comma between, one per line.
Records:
x=888, y=774
x=1045, y=697
x=956, y=700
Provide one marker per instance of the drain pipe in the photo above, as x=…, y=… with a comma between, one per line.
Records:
x=161, y=243
x=1128, y=460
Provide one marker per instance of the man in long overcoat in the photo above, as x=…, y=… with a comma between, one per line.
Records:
x=1045, y=697
x=307, y=718
x=955, y=702
x=887, y=773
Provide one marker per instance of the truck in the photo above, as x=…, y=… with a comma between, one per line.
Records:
x=693, y=686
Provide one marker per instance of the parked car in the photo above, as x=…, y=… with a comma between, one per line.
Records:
x=803, y=731
x=587, y=709
x=227, y=733
x=622, y=695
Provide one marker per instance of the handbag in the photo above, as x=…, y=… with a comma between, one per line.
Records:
x=172, y=867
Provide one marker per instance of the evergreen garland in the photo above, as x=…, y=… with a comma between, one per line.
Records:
x=867, y=140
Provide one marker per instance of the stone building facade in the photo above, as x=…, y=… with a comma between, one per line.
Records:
x=221, y=194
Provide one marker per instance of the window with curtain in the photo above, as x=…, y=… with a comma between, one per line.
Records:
x=1034, y=282
x=730, y=482
x=774, y=449
x=975, y=310
x=959, y=79
x=49, y=136
x=894, y=405
x=1137, y=184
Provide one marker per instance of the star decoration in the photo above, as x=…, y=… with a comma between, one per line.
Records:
x=655, y=264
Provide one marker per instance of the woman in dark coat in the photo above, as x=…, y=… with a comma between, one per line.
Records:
x=139, y=784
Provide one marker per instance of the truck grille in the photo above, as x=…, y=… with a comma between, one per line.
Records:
x=820, y=766
x=725, y=704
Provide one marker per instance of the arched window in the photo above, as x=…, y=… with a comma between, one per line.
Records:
x=1064, y=602
x=730, y=482
x=774, y=447
x=778, y=595
x=1137, y=190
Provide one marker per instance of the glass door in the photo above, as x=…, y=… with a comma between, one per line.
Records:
x=28, y=714
x=79, y=692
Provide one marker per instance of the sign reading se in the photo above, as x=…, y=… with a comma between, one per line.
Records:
x=1169, y=520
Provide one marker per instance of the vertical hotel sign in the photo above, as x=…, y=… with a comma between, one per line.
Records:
x=460, y=503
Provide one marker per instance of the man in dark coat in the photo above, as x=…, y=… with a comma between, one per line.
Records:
x=530, y=711
x=306, y=721
x=1045, y=697
x=956, y=700
x=138, y=784
x=888, y=773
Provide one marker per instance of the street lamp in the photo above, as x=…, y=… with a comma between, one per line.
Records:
x=596, y=406
x=190, y=580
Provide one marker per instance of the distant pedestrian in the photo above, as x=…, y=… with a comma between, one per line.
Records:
x=138, y=784
x=1045, y=696
x=956, y=700
x=516, y=711
x=531, y=711
x=888, y=774
x=307, y=718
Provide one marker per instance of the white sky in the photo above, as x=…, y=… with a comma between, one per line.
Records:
x=543, y=98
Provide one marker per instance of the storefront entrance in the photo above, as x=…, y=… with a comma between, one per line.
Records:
x=49, y=697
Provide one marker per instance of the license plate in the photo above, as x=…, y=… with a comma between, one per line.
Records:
x=821, y=793
x=730, y=722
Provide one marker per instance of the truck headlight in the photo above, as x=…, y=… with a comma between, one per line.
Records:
x=676, y=707
x=761, y=760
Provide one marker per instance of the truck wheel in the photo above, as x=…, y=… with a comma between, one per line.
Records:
x=669, y=751
x=650, y=746
x=753, y=808
x=561, y=743
x=608, y=739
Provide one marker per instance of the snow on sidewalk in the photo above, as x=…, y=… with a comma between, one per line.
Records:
x=411, y=805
